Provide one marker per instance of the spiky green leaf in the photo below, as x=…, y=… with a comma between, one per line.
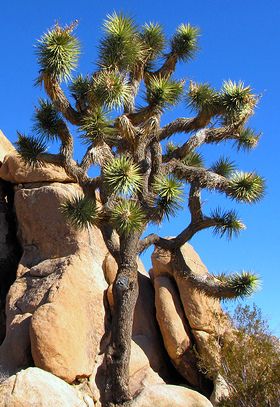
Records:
x=247, y=139
x=237, y=100
x=169, y=191
x=193, y=159
x=80, y=211
x=184, y=42
x=58, y=51
x=80, y=86
x=164, y=92
x=29, y=147
x=170, y=148
x=227, y=223
x=127, y=217
x=122, y=175
x=202, y=97
x=109, y=89
x=47, y=119
x=224, y=167
x=153, y=38
x=96, y=126
x=243, y=284
x=246, y=187
x=121, y=47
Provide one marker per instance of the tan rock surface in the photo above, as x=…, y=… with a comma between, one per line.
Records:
x=6, y=146
x=60, y=288
x=175, y=330
x=66, y=331
x=37, y=388
x=184, y=313
x=164, y=395
x=16, y=171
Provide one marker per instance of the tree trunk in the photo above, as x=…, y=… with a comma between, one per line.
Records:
x=125, y=292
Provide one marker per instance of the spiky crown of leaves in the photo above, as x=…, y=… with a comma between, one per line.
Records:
x=128, y=55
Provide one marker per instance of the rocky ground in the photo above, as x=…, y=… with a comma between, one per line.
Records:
x=57, y=294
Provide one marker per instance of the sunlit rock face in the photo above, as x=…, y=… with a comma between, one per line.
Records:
x=60, y=303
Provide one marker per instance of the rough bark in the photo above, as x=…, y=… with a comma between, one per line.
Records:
x=125, y=291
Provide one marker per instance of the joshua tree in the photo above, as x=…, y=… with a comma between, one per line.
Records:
x=139, y=184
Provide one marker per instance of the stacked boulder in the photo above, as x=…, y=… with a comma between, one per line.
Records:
x=59, y=306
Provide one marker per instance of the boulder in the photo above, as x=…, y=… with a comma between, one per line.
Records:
x=164, y=395
x=37, y=388
x=56, y=305
x=174, y=328
x=6, y=146
x=187, y=317
x=16, y=171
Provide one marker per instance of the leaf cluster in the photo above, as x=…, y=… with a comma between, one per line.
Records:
x=47, y=119
x=246, y=187
x=122, y=176
x=227, y=223
x=184, y=42
x=58, y=52
x=164, y=92
x=127, y=217
x=80, y=211
x=96, y=126
x=169, y=191
x=29, y=147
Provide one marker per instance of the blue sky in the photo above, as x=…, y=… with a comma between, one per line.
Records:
x=239, y=40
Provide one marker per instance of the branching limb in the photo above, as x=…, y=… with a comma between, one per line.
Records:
x=227, y=287
x=96, y=154
x=195, y=203
x=154, y=239
x=60, y=101
x=202, y=177
x=156, y=157
x=167, y=68
x=184, y=125
x=207, y=136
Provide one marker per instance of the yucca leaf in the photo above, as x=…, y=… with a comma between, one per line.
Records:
x=47, y=119
x=184, y=42
x=96, y=126
x=122, y=175
x=247, y=140
x=80, y=86
x=121, y=47
x=164, y=92
x=224, y=167
x=80, y=211
x=169, y=191
x=127, y=217
x=227, y=223
x=193, y=159
x=237, y=100
x=170, y=148
x=153, y=37
x=202, y=97
x=109, y=89
x=58, y=51
x=29, y=147
x=244, y=284
x=246, y=187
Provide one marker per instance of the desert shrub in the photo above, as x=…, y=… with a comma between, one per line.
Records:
x=249, y=361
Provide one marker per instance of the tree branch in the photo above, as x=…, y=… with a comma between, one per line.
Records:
x=206, y=283
x=200, y=176
x=167, y=68
x=206, y=135
x=60, y=101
